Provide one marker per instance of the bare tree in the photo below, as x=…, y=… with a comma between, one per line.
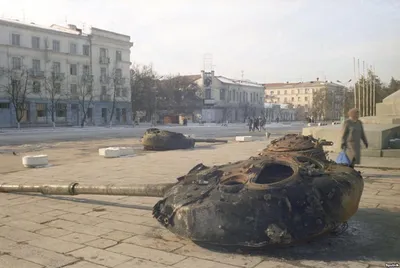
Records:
x=82, y=92
x=116, y=91
x=53, y=93
x=322, y=105
x=142, y=84
x=17, y=88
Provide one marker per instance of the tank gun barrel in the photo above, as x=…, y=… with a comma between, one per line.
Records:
x=210, y=140
x=326, y=143
x=150, y=190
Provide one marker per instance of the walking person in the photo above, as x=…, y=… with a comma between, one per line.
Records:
x=250, y=124
x=352, y=135
x=256, y=124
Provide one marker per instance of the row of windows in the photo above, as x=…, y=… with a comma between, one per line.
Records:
x=36, y=89
x=240, y=96
x=56, y=47
x=285, y=99
x=56, y=68
x=294, y=91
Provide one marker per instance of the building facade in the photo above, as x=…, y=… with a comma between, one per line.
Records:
x=303, y=96
x=228, y=99
x=63, y=76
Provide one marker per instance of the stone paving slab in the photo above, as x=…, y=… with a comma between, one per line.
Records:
x=116, y=231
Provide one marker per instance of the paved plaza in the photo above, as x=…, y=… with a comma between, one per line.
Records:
x=116, y=231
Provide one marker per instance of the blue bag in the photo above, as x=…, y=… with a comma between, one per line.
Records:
x=343, y=159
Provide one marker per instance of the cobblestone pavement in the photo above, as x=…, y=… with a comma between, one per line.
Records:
x=110, y=231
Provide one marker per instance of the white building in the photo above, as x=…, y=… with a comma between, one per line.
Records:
x=84, y=69
x=230, y=99
x=302, y=94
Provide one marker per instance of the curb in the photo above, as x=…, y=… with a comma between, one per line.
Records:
x=383, y=168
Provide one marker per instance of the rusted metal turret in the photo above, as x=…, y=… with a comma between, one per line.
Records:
x=298, y=145
x=155, y=139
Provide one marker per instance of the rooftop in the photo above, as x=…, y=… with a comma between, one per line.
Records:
x=68, y=29
x=226, y=80
x=300, y=84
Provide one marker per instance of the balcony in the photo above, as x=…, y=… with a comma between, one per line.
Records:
x=58, y=76
x=86, y=78
x=104, y=60
x=104, y=79
x=119, y=81
x=36, y=73
x=105, y=97
x=209, y=102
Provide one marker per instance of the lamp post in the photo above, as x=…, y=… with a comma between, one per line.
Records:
x=155, y=88
x=344, y=94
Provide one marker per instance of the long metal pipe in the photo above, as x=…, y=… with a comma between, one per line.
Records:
x=150, y=190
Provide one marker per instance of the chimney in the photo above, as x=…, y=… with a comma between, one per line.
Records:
x=317, y=78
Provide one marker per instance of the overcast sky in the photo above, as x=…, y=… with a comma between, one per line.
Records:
x=269, y=40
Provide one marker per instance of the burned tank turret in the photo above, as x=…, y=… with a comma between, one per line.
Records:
x=155, y=139
x=268, y=200
x=298, y=145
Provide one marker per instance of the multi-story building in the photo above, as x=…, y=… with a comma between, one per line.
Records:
x=64, y=75
x=302, y=95
x=228, y=99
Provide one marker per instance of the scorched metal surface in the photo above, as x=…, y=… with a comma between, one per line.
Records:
x=298, y=145
x=269, y=200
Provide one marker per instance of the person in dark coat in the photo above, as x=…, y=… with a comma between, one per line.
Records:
x=250, y=124
x=352, y=135
x=256, y=124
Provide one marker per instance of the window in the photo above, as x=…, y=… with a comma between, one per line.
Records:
x=40, y=110
x=103, y=90
x=104, y=113
x=279, y=92
x=292, y=91
x=271, y=93
x=306, y=98
x=85, y=50
x=222, y=94
x=103, y=52
x=73, y=69
x=4, y=105
x=285, y=100
x=298, y=98
x=73, y=49
x=118, y=92
x=298, y=91
x=89, y=89
x=16, y=40
x=292, y=98
x=36, y=65
x=35, y=42
x=124, y=92
x=56, y=67
x=118, y=114
x=57, y=88
x=89, y=113
x=85, y=69
x=103, y=72
x=56, y=46
x=36, y=87
x=61, y=110
x=118, y=73
x=16, y=63
x=118, y=56
x=285, y=92
x=74, y=89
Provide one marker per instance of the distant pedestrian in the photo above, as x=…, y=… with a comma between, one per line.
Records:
x=352, y=135
x=256, y=124
x=250, y=123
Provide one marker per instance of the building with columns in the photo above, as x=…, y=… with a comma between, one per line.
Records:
x=67, y=75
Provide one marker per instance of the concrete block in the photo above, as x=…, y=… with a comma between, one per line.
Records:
x=32, y=161
x=244, y=138
x=371, y=153
x=311, y=124
x=110, y=152
x=391, y=153
x=322, y=124
x=125, y=151
x=192, y=136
